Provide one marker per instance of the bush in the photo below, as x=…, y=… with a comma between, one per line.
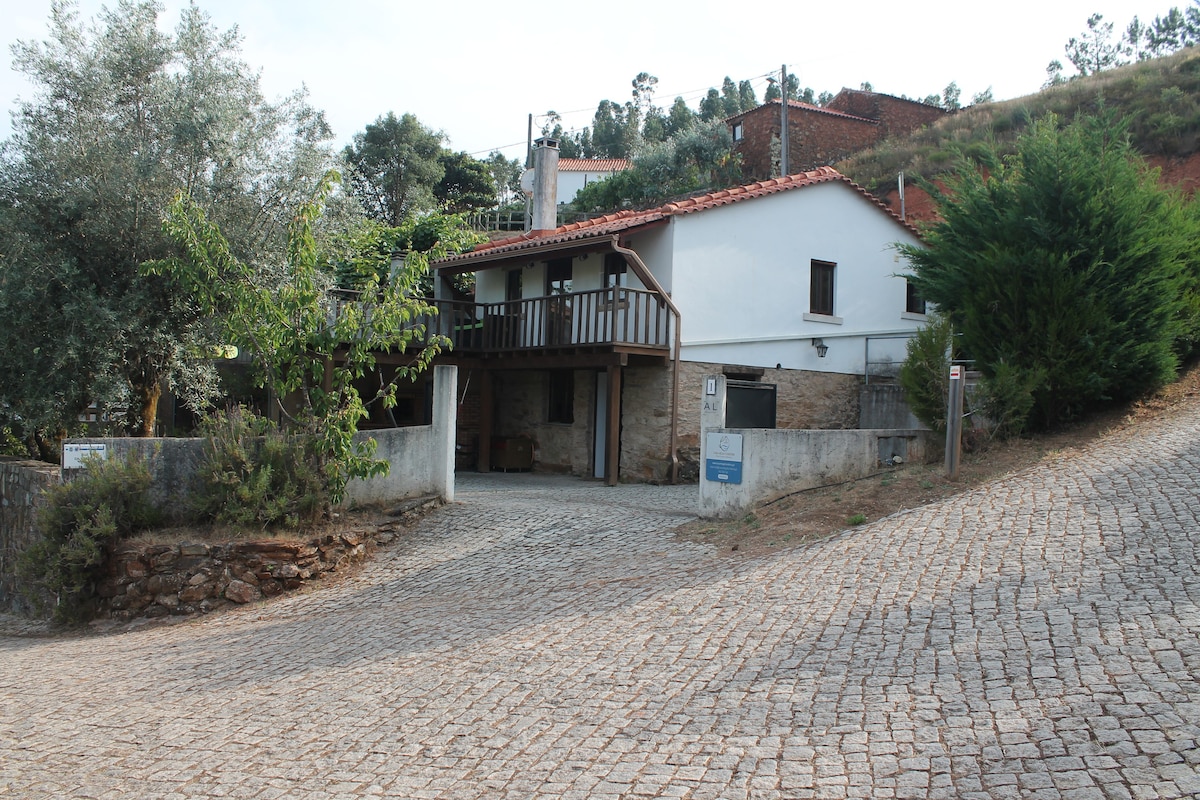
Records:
x=79, y=523
x=252, y=475
x=925, y=374
x=1007, y=397
x=1068, y=262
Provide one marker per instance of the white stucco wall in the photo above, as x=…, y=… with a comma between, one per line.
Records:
x=570, y=182
x=740, y=276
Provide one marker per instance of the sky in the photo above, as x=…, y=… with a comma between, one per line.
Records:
x=476, y=70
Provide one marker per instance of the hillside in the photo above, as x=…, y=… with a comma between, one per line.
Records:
x=1159, y=98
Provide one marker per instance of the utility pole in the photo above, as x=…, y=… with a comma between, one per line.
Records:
x=783, y=122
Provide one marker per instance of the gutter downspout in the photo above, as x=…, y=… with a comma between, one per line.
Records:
x=648, y=280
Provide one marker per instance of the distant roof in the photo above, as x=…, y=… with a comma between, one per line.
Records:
x=847, y=91
x=623, y=221
x=796, y=104
x=592, y=164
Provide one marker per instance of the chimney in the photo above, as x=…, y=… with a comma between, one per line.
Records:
x=545, y=185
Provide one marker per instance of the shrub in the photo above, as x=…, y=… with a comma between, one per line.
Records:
x=79, y=523
x=1067, y=261
x=252, y=475
x=925, y=374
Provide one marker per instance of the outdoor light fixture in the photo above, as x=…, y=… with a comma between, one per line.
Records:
x=822, y=348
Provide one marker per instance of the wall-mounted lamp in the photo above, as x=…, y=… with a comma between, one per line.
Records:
x=822, y=348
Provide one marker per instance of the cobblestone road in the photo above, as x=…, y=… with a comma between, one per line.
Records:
x=548, y=638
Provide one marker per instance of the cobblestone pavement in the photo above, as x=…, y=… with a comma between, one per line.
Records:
x=546, y=637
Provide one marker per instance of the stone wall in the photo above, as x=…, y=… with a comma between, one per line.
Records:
x=815, y=139
x=896, y=116
x=22, y=484
x=804, y=400
x=196, y=577
x=521, y=407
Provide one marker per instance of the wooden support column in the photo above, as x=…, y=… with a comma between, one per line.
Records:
x=612, y=448
x=486, y=404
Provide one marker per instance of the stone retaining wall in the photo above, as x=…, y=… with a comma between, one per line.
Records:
x=22, y=484
x=196, y=577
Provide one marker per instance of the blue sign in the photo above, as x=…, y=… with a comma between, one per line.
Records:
x=723, y=457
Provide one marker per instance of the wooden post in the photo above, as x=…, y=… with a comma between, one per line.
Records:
x=484, y=462
x=612, y=449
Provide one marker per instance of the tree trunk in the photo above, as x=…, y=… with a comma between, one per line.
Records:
x=148, y=396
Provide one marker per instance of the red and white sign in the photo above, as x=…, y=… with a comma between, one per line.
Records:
x=956, y=373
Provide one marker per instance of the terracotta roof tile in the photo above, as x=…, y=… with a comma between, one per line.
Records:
x=592, y=164
x=621, y=221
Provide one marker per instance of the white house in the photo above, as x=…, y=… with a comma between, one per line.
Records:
x=575, y=173
x=590, y=339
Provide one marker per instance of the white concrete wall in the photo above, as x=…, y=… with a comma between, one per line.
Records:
x=421, y=458
x=741, y=275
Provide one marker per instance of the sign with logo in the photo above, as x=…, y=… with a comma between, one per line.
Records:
x=74, y=454
x=723, y=457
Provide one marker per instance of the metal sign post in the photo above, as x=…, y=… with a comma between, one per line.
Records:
x=954, y=415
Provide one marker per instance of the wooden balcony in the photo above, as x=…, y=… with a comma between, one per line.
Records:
x=617, y=319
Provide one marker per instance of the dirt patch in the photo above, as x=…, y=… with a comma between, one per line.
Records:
x=814, y=514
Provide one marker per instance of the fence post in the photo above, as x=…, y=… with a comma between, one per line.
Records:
x=954, y=417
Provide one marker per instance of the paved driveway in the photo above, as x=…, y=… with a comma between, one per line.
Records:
x=546, y=637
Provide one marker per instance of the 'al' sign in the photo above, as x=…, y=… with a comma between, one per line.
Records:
x=723, y=457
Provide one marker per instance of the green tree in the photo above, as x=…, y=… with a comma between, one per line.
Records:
x=1094, y=50
x=122, y=116
x=951, y=97
x=307, y=346
x=505, y=175
x=680, y=118
x=711, y=106
x=466, y=184
x=1067, y=264
x=746, y=96
x=731, y=98
x=696, y=159
x=394, y=165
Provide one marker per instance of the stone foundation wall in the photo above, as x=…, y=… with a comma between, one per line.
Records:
x=196, y=578
x=22, y=484
x=521, y=398
x=804, y=401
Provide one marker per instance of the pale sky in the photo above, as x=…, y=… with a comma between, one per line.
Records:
x=475, y=70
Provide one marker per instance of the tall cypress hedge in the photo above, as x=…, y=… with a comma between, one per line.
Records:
x=1067, y=266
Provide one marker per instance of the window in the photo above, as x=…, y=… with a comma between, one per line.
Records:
x=560, y=406
x=558, y=276
x=820, y=292
x=616, y=271
x=914, y=303
x=738, y=131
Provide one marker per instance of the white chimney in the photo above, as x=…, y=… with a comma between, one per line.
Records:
x=545, y=184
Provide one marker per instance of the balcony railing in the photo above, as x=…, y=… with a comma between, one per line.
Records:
x=614, y=316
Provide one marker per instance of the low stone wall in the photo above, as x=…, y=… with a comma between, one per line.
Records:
x=196, y=577
x=22, y=484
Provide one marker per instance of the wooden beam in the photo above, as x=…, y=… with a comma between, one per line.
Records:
x=486, y=404
x=612, y=449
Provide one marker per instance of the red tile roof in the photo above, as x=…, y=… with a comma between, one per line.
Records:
x=592, y=164
x=624, y=221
